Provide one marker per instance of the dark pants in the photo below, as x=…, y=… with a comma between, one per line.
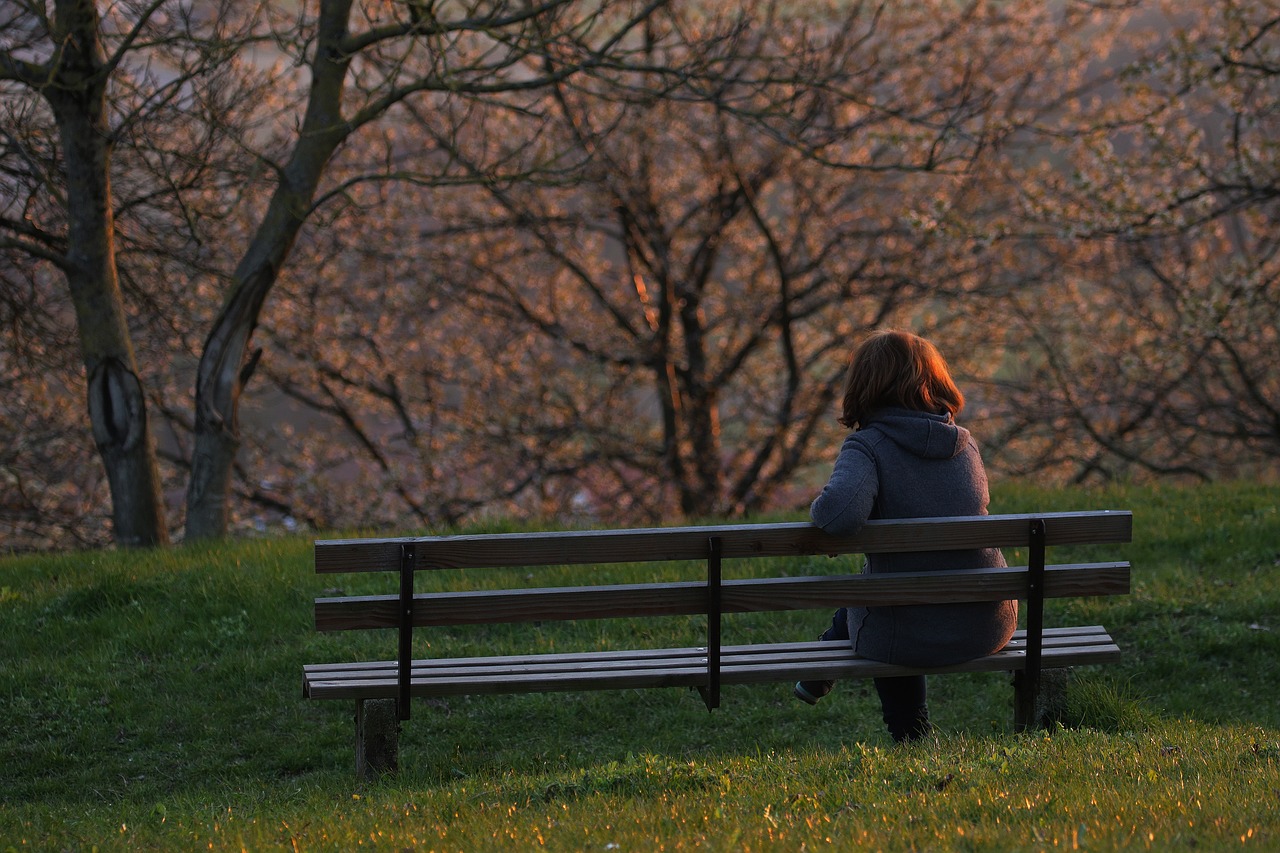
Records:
x=902, y=698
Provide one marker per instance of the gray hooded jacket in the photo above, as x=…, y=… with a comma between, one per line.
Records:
x=908, y=464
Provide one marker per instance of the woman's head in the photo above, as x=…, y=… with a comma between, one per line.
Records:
x=898, y=369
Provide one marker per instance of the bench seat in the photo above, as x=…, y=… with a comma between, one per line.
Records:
x=686, y=667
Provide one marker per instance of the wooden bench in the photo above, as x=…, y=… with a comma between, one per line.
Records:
x=384, y=689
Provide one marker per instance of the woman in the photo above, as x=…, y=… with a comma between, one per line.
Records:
x=907, y=458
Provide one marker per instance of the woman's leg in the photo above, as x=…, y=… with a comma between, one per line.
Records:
x=812, y=691
x=903, y=701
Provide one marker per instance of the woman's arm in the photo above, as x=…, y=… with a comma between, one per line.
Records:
x=849, y=495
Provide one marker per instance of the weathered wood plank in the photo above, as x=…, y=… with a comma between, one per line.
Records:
x=672, y=668
x=737, y=596
x=1060, y=636
x=485, y=683
x=741, y=540
x=359, y=668
x=807, y=651
x=1009, y=659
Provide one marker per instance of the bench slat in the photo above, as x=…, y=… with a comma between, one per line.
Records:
x=1077, y=635
x=802, y=653
x=684, y=667
x=737, y=596
x=1009, y=659
x=743, y=540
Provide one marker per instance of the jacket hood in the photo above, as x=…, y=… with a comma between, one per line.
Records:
x=922, y=434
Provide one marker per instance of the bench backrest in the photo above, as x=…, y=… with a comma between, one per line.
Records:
x=716, y=596
x=409, y=555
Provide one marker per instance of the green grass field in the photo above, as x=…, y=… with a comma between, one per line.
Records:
x=153, y=701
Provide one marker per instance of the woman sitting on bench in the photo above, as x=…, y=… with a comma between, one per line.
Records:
x=907, y=458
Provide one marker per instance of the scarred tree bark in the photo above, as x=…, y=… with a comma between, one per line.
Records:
x=76, y=92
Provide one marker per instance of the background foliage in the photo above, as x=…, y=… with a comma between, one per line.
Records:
x=563, y=275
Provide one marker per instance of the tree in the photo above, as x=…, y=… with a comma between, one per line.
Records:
x=79, y=88
x=682, y=312
x=608, y=258
x=78, y=63
x=1160, y=351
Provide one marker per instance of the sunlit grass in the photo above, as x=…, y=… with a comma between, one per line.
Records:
x=153, y=701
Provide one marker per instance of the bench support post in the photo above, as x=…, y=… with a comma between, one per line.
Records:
x=711, y=692
x=1026, y=683
x=404, y=674
x=377, y=738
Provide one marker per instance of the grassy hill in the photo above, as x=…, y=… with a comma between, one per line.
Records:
x=153, y=701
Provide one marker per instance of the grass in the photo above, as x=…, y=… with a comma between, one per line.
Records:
x=152, y=701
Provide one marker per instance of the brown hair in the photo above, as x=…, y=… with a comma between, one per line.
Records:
x=893, y=368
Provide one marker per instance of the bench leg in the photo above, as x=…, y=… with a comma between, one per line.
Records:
x=1045, y=708
x=377, y=738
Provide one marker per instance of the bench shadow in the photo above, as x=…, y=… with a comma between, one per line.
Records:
x=541, y=734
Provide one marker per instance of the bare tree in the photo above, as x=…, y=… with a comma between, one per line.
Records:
x=80, y=85
x=515, y=333
x=559, y=256
x=693, y=295
x=83, y=61
x=1158, y=348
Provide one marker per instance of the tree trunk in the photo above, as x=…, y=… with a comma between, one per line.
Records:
x=220, y=378
x=117, y=402
x=227, y=361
